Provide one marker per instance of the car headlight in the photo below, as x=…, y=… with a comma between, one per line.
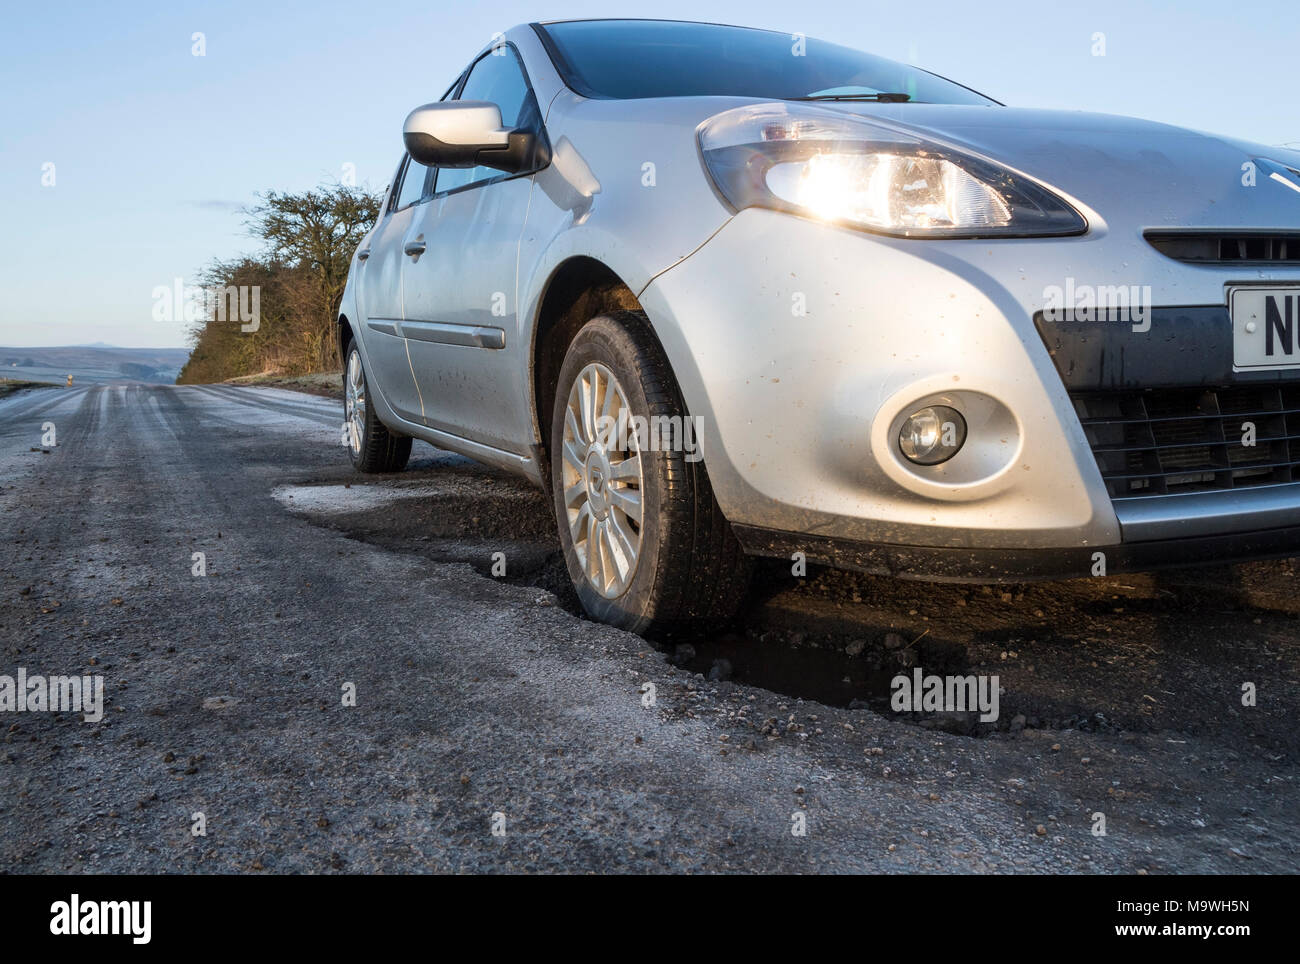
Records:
x=865, y=174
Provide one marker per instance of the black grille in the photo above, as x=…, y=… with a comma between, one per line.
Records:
x=1221, y=248
x=1168, y=441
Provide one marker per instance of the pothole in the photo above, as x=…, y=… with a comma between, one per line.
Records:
x=837, y=639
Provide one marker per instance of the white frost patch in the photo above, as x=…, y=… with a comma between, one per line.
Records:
x=330, y=405
x=220, y=702
x=340, y=499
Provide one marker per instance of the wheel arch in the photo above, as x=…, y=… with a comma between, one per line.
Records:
x=342, y=335
x=579, y=289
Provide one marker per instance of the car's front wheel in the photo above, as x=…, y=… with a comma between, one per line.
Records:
x=645, y=543
x=370, y=443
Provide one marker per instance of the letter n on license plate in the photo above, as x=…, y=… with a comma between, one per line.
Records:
x=1265, y=327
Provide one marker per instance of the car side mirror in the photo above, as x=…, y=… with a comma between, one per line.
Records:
x=468, y=133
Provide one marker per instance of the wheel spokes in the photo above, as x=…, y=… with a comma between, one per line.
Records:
x=578, y=523
x=611, y=396
x=629, y=470
x=627, y=501
x=576, y=494
x=573, y=459
x=354, y=405
x=595, y=568
x=601, y=475
x=587, y=400
x=620, y=547
x=573, y=428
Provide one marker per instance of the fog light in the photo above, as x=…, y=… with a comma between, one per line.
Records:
x=932, y=435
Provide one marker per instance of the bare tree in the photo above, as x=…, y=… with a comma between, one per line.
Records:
x=308, y=241
x=317, y=230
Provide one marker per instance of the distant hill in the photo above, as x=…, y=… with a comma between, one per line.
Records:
x=93, y=363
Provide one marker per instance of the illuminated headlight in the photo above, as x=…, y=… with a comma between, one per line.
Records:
x=932, y=435
x=889, y=191
x=846, y=169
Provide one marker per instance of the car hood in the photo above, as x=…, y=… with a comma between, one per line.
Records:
x=1136, y=173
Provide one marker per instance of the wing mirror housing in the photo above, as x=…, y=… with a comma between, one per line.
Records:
x=468, y=133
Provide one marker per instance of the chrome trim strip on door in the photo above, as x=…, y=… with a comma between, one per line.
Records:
x=442, y=333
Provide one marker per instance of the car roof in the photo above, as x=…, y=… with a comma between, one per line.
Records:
x=693, y=23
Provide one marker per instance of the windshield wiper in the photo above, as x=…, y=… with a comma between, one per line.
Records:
x=883, y=97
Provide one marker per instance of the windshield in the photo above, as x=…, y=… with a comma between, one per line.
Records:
x=629, y=59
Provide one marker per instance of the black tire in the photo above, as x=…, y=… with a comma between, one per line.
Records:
x=371, y=445
x=690, y=568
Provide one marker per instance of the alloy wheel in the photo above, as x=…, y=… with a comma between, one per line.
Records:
x=603, y=480
x=354, y=402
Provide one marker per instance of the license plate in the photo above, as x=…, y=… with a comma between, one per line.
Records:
x=1265, y=327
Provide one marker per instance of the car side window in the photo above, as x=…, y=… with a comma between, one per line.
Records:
x=497, y=77
x=390, y=191
x=414, y=181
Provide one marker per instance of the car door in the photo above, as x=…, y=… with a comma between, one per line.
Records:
x=380, y=291
x=459, y=300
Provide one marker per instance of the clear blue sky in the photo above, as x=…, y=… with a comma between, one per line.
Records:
x=156, y=150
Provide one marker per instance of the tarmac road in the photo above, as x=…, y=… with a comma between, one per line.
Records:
x=479, y=696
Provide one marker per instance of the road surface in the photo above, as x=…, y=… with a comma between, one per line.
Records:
x=495, y=730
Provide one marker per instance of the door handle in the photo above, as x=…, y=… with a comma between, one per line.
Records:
x=363, y=254
x=415, y=248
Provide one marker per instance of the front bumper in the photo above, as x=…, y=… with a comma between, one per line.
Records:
x=798, y=345
x=1021, y=565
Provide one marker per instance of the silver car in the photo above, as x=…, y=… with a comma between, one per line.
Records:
x=728, y=292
